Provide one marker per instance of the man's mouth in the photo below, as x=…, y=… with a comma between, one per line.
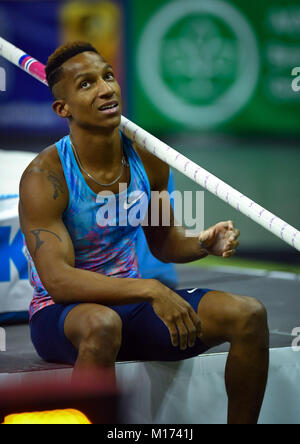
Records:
x=109, y=108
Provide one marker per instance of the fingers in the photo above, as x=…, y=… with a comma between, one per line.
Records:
x=196, y=325
x=230, y=248
x=228, y=224
x=183, y=334
x=207, y=236
x=232, y=242
x=234, y=232
x=187, y=329
x=229, y=253
x=228, y=230
x=179, y=317
x=196, y=322
x=173, y=333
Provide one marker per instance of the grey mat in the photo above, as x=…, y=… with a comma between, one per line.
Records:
x=280, y=295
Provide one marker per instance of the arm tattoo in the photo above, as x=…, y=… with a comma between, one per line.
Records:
x=56, y=184
x=51, y=176
x=38, y=241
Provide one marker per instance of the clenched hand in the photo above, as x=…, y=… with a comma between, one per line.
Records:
x=220, y=239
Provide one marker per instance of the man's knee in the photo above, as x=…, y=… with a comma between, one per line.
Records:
x=251, y=322
x=103, y=330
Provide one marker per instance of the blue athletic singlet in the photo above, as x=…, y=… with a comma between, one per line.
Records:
x=103, y=229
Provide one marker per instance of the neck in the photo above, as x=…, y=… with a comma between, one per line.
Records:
x=99, y=149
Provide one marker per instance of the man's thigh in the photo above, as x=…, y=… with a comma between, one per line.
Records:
x=146, y=337
x=47, y=334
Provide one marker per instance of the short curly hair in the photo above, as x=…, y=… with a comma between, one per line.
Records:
x=54, y=70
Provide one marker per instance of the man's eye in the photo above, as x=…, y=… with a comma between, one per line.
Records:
x=84, y=84
x=109, y=76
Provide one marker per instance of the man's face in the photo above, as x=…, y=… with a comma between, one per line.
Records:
x=90, y=92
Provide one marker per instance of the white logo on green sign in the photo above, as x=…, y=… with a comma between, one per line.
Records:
x=198, y=62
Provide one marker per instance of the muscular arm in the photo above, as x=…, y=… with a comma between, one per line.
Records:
x=167, y=243
x=43, y=199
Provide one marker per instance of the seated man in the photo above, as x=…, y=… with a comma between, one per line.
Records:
x=78, y=212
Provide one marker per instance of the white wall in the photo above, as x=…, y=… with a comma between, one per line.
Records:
x=193, y=391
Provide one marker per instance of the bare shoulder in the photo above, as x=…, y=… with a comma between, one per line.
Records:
x=46, y=164
x=46, y=161
x=44, y=177
x=157, y=170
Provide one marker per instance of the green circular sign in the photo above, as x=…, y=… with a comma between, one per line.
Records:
x=198, y=62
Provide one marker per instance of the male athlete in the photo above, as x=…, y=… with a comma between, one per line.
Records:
x=90, y=307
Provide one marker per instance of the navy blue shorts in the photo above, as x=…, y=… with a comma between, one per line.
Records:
x=144, y=336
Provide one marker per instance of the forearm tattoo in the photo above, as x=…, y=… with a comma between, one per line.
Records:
x=38, y=241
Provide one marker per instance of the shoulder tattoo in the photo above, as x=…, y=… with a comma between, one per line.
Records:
x=51, y=176
x=57, y=185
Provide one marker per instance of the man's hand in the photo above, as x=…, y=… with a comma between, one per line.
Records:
x=220, y=239
x=178, y=315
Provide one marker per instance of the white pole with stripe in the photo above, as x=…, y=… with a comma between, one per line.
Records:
x=237, y=200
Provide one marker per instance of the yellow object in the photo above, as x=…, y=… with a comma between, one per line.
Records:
x=67, y=416
x=98, y=23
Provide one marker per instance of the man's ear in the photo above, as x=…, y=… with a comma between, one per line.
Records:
x=61, y=108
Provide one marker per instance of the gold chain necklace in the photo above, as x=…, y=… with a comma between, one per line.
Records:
x=124, y=164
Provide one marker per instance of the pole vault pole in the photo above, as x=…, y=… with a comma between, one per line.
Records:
x=208, y=181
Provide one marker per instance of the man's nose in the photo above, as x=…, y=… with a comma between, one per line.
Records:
x=104, y=89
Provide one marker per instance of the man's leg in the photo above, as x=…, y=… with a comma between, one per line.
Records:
x=96, y=332
x=242, y=321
